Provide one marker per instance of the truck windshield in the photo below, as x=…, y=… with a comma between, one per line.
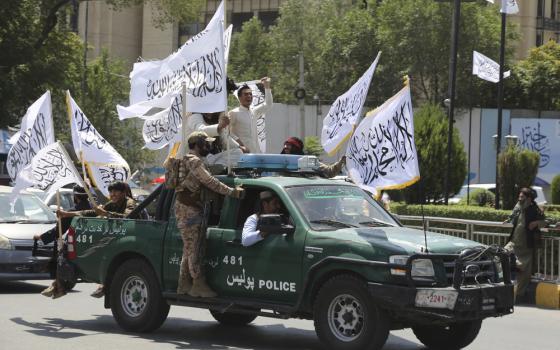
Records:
x=334, y=206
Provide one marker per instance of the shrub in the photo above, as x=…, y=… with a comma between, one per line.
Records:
x=480, y=197
x=312, y=146
x=517, y=168
x=430, y=136
x=555, y=189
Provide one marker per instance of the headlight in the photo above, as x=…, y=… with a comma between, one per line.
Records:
x=401, y=260
x=422, y=268
x=5, y=243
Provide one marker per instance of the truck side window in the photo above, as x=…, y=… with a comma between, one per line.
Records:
x=250, y=205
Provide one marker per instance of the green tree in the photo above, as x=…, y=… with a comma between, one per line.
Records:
x=538, y=77
x=555, y=189
x=430, y=136
x=313, y=146
x=252, y=52
x=517, y=168
x=39, y=51
x=414, y=36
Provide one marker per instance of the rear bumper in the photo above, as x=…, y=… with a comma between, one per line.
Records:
x=473, y=303
x=20, y=265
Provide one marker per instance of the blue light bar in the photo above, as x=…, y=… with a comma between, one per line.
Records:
x=279, y=162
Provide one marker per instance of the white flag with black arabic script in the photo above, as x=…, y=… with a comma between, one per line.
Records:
x=164, y=127
x=508, y=6
x=49, y=170
x=227, y=42
x=105, y=165
x=381, y=153
x=485, y=68
x=199, y=63
x=36, y=132
x=345, y=111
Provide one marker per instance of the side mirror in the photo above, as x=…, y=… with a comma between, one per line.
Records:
x=273, y=223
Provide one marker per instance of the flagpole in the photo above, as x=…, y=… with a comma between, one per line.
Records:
x=500, y=105
x=88, y=192
x=59, y=221
x=229, y=169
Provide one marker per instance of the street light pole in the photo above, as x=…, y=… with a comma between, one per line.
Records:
x=452, y=78
x=500, y=104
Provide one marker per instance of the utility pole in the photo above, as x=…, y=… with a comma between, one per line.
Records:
x=84, y=79
x=301, y=100
x=451, y=92
x=500, y=105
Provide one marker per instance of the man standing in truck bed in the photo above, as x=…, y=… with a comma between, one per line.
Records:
x=194, y=180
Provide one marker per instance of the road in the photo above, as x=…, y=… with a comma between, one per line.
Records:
x=79, y=322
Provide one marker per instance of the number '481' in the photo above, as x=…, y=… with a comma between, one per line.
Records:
x=232, y=260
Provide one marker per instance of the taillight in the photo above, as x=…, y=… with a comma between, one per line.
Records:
x=71, y=243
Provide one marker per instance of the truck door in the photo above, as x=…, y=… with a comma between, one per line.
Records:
x=270, y=269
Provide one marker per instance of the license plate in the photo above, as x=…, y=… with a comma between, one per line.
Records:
x=439, y=299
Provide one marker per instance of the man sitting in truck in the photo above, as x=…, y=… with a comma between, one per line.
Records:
x=269, y=204
x=194, y=181
x=120, y=205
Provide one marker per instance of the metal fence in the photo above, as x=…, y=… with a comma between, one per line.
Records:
x=491, y=232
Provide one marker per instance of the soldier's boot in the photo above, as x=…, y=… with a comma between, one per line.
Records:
x=58, y=290
x=49, y=291
x=201, y=289
x=185, y=283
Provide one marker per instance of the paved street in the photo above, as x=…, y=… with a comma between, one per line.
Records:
x=78, y=321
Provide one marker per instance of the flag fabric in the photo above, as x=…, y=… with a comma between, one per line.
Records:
x=381, y=153
x=345, y=111
x=49, y=170
x=104, y=164
x=164, y=127
x=35, y=133
x=486, y=69
x=508, y=6
x=146, y=109
x=199, y=63
x=227, y=42
x=258, y=99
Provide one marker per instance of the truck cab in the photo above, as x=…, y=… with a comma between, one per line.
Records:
x=333, y=255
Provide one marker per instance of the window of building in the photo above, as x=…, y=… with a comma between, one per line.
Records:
x=553, y=9
x=540, y=8
x=237, y=19
x=540, y=37
x=268, y=18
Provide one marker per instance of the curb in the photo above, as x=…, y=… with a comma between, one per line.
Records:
x=547, y=295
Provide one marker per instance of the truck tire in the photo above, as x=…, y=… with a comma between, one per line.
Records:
x=454, y=336
x=233, y=319
x=136, y=300
x=346, y=317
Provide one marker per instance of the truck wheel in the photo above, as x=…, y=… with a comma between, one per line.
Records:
x=136, y=300
x=346, y=318
x=454, y=336
x=233, y=319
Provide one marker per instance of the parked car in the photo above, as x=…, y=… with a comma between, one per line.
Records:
x=29, y=217
x=66, y=198
x=541, y=199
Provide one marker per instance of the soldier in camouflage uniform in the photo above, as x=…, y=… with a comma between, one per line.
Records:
x=194, y=180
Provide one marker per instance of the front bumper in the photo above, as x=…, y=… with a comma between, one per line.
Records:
x=473, y=303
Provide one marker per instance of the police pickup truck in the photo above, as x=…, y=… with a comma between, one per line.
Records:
x=334, y=256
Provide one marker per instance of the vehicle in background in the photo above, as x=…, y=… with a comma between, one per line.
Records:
x=66, y=198
x=30, y=216
x=138, y=192
x=541, y=199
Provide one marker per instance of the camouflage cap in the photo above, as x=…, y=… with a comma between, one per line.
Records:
x=199, y=136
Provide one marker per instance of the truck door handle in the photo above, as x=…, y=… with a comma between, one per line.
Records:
x=234, y=242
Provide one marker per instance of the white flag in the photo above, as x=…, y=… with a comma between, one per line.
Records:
x=164, y=127
x=49, y=170
x=199, y=63
x=485, y=68
x=146, y=109
x=345, y=111
x=258, y=99
x=227, y=42
x=508, y=6
x=35, y=133
x=104, y=163
x=381, y=154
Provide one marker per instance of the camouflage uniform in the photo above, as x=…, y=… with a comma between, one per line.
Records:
x=331, y=170
x=118, y=209
x=188, y=211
